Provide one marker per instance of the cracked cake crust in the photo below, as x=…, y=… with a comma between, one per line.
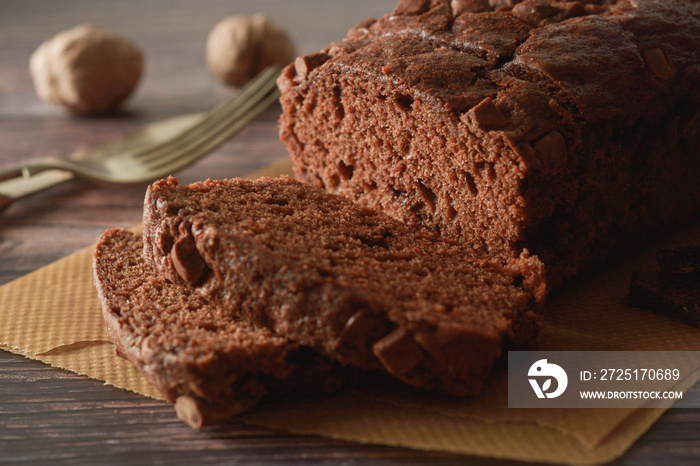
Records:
x=567, y=128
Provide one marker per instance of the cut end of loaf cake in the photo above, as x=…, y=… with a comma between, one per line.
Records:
x=354, y=284
x=210, y=364
x=565, y=128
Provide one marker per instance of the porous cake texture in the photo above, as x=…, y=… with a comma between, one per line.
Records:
x=570, y=129
x=209, y=364
x=347, y=281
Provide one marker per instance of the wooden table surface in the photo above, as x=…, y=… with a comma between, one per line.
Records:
x=48, y=415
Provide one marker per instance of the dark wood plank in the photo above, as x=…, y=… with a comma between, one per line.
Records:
x=49, y=414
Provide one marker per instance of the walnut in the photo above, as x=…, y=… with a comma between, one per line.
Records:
x=86, y=70
x=240, y=47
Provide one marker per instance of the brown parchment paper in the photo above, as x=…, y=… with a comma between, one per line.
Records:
x=53, y=315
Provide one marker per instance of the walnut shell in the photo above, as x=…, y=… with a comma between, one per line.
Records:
x=240, y=47
x=86, y=70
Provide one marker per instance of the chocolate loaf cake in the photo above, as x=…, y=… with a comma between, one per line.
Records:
x=570, y=129
x=210, y=364
x=354, y=284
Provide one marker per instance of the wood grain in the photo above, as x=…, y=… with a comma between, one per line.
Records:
x=48, y=415
x=81, y=420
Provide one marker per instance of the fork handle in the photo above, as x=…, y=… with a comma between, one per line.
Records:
x=28, y=168
x=19, y=187
x=7, y=173
x=11, y=171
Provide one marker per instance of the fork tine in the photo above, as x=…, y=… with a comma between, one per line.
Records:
x=120, y=162
x=210, y=136
x=216, y=135
x=135, y=142
x=240, y=104
x=213, y=130
x=205, y=145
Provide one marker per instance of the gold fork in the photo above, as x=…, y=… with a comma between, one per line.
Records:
x=160, y=149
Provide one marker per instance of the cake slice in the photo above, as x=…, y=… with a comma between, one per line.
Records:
x=566, y=128
x=210, y=364
x=679, y=259
x=675, y=294
x=352, y=283
x=674, y=290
